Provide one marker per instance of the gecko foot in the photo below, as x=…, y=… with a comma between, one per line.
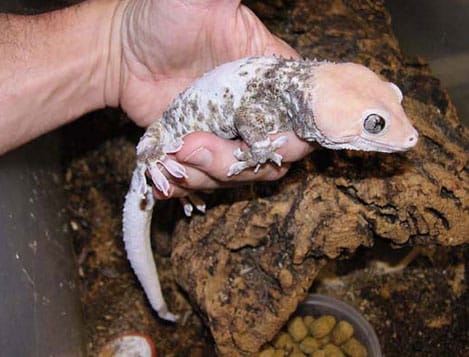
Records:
x=259, y=154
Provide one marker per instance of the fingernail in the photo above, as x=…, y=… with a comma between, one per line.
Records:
x=199, y=157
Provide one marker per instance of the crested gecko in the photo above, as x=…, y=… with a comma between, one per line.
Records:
x=338, y=105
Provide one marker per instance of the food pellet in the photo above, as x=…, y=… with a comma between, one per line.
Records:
x=308, y=320
x=291, y=346
x=297, y=329
x=354, y=348
x=342, y=332
x=322, y=326
x=333, y=351
x=316, y=337
x=282, y=340
x=297, y=354
x=309, y=345
x=280, y=353
x=324, y=340
x=268, y=352
x=319, y=353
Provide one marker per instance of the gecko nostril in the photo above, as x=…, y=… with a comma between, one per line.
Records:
x=412, y=140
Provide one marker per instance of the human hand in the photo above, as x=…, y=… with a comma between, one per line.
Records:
x=168, y=44
x=207, y=159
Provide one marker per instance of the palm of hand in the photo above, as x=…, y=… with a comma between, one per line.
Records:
x=168, y=44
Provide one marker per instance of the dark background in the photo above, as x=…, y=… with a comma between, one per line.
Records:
x=438, y=30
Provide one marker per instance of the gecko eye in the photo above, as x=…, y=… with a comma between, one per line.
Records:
x=374, y=123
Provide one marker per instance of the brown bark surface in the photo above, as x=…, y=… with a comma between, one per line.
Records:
x=251, y=259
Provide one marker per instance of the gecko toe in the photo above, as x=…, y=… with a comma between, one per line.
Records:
x=237, y=167
x=276, y=158
x=197, y=202
x=139, y=182
x=174, y=168
x=279, y=142
x=159, y=180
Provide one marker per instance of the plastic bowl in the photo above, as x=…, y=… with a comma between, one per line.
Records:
x=317, y=304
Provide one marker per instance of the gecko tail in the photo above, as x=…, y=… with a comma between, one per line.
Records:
x=136, y=230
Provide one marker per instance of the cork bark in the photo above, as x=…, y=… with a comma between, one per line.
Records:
x=249, y=261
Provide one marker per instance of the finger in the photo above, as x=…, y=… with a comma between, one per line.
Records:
x=262, y=41
x=199, y=181
x=214, y=156
x=174, y=191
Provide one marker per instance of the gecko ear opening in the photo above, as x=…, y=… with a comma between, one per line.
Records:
x=397, y=91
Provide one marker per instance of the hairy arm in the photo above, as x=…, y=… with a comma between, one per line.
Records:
x=54, y=68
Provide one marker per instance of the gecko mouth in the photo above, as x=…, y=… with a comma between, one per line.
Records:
x=365, y=144
x=362, y=144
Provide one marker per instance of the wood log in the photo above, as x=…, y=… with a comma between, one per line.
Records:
x=251, y=259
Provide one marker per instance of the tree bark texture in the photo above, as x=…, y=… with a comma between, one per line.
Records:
x=250, y=260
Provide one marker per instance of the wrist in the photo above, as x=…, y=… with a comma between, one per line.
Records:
x=111, y=61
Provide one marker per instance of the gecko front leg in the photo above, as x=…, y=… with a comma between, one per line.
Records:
x=254, y=126
x=259, y=153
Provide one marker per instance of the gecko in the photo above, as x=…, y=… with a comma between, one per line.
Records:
x=338, y=105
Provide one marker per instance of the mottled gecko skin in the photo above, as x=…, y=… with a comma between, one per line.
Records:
x=340, y=106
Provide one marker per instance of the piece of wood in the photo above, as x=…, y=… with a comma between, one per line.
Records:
x=251, y=259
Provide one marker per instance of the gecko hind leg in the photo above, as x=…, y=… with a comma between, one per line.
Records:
x=258, y=154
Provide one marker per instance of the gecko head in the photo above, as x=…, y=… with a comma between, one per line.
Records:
x=355, y=109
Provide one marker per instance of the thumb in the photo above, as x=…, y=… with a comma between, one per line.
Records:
x=209, y=153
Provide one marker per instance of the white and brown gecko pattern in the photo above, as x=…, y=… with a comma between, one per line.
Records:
x=338, y=105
